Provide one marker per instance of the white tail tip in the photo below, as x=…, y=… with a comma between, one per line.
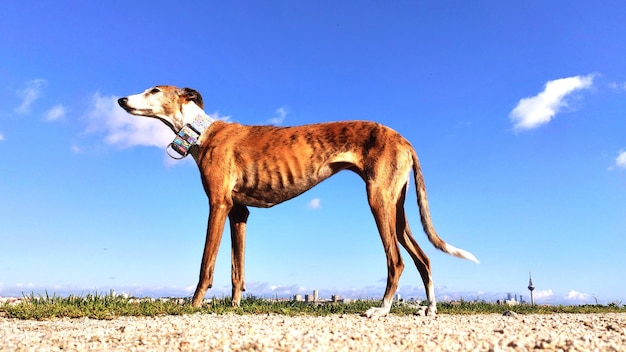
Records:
x=459, y=253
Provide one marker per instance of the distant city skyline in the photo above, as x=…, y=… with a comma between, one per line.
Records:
x=264, y=290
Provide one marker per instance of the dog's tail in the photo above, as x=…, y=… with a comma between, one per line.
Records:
x=422, y=202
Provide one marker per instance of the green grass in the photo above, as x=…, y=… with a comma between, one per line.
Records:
x=491, y=308
x=109, y=306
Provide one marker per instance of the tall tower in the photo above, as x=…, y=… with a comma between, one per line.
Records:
x=531, y=287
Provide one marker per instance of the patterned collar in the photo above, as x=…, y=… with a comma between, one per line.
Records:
x=189, y=135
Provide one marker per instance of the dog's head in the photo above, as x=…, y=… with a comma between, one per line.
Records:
x=169, y=104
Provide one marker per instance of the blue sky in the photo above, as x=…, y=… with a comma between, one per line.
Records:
x=516, y=110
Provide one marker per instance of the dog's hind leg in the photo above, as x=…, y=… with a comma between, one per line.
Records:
x=417, y=254
x=238, y=217
x=215, y=228
x=421, y=262
x=382, y=209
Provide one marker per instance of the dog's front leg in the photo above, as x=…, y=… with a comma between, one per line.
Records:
x=215, y=228
x=238, y=217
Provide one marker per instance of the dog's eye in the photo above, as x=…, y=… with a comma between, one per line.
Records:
x=155, y=90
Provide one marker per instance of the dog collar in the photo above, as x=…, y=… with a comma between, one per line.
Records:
x=188, y=136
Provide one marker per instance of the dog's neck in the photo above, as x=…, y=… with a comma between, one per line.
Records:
x=191, y=111
x=194, y=122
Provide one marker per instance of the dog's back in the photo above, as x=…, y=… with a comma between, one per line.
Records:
x=270, y=165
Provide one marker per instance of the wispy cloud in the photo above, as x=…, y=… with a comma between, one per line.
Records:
x=281, y=113
x=122, y=129
x=620, y=161
x=1, y=137
x=76, y=149
x=535, y=111
x=29, y=94
x=55, y=113
x=617, y=86
x=314, y=203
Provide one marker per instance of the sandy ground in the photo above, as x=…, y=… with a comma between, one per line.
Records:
x=566, y=332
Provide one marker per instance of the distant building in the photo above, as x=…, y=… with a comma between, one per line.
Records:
x=531, y=288
x=510, y=300
x=312, y=297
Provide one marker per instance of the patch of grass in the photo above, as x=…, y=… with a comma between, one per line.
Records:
x=96, y=306
x=109, y=306
x=464, y=307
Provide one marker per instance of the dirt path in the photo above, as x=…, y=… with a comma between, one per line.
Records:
x=567, y=332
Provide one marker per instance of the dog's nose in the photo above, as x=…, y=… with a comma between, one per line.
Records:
x=122, y=101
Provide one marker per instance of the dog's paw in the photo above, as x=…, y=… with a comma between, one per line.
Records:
x=421, y=311
x=373, y=313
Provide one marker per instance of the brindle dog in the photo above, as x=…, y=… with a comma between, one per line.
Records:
x=262, y=166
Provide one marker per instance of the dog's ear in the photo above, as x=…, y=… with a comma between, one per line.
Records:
x=193, y=95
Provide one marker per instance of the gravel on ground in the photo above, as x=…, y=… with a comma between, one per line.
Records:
x=209, y=332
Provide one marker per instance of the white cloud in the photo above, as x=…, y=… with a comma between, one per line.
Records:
x=617, y=86
x=55, y=113
x=620, y=161
x=122, y=129
x=29, y=94
x=315, y=203
x=76, y=149
x=574, y=295
x=538, y=110
x=21, y=285
x=543, y=295
x=281, y=113
x=1, y=137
